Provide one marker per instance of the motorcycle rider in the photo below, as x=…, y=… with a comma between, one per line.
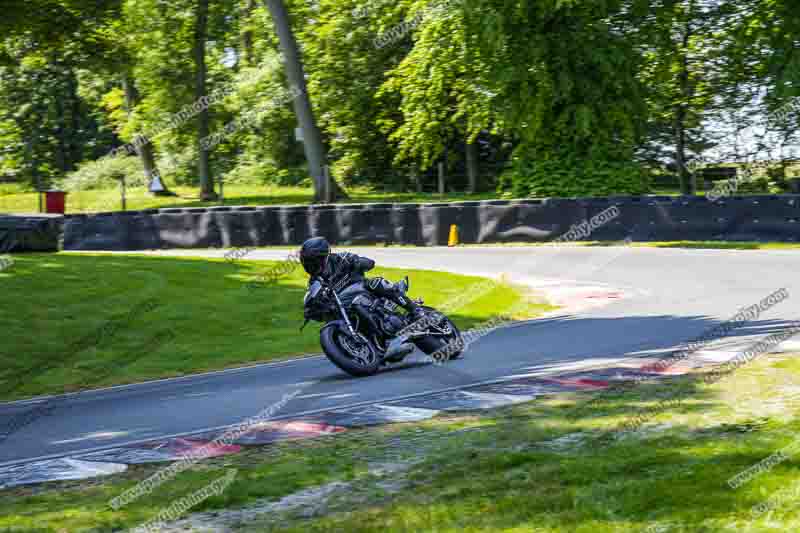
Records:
x=340, y=270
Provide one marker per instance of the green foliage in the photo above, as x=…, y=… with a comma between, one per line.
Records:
x=263, y=173
x=567, y=175
x=564, y=73
x=590, y=88
x=442, y=91
x=105, y=173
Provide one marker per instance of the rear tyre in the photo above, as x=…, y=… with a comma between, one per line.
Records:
x=450, y=346
x=357, y=357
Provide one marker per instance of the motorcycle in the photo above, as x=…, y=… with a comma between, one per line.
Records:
x=363, y=332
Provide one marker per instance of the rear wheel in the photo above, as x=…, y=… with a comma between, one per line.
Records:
x=356, y=356
x=449, y=344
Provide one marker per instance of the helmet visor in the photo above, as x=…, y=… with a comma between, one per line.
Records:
x=314, y=264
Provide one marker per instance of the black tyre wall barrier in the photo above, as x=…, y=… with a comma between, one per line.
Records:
x=97, y=232
x=184, y=230
x=144, y=232
x=435, y=221
x=469, y=222
x=682, y=219
x=527, y=221
x=614, y=220
x=364, y=224
x=34, y=233
x=239, y=227
x=270, y=232
x=378, y=222
x=323, y=222
x=349, y=223
x=496, y=219
x=294, y=224
x=406, y=223
x=774, y=217
x=641, y=218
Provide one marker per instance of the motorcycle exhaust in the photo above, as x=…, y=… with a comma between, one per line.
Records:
x=399, y=347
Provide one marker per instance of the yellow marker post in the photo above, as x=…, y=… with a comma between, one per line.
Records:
x=453, y=240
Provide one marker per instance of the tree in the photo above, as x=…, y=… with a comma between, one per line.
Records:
x=345, y=71
x=248, y=34
x=569, y=90
x=681, y=42
x=199, y=54
x=312, y=139
x=763, y=59
x=443, y=93
x=145, y=151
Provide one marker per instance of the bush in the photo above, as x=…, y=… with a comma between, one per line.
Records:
x=106, y=173
x=572, y=176
x=773, y=180
x=258, y=173
x=15, y=188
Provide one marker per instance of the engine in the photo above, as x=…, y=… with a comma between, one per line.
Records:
x=391, y=324
x=380, y=312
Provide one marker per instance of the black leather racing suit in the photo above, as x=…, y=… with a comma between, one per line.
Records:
x=343, y=269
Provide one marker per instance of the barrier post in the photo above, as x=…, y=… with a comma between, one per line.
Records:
x=328, y=193
x=416, y=179
x=39, y=190
x=122, y=192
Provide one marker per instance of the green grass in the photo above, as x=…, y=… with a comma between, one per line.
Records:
x=551, y=465
x=14, y=200
x=720, y=245
x=49, y=302
x=703, y=245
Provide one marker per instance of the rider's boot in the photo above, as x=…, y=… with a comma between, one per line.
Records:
x=412, y=308
x=397, y=293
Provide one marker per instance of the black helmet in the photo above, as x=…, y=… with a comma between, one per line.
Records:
x=314, y=254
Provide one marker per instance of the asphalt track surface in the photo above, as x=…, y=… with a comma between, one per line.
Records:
x=652, y=301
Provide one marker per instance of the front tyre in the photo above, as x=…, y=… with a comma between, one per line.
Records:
x=448, y=345
x=356, y=356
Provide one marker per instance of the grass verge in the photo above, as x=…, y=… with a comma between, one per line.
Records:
x=19, y=201
x=703, y=245
x=77, y=321
x=531, y=467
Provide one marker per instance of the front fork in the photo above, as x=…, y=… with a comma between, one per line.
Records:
x=344, y=315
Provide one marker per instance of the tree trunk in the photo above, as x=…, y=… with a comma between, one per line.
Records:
x=61, y=135
x=145, y=150
x=247, y=34
x=75, y=144
x=415, y=177
x=472, y=167
x=312, y=138
x=687, y=179
x=31, y=160
x=200, y=34
x=684, y=175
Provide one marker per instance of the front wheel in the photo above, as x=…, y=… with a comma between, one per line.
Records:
x=356, y=356
x=449, y=344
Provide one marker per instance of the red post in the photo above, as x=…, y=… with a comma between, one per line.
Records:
x=55, y=201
